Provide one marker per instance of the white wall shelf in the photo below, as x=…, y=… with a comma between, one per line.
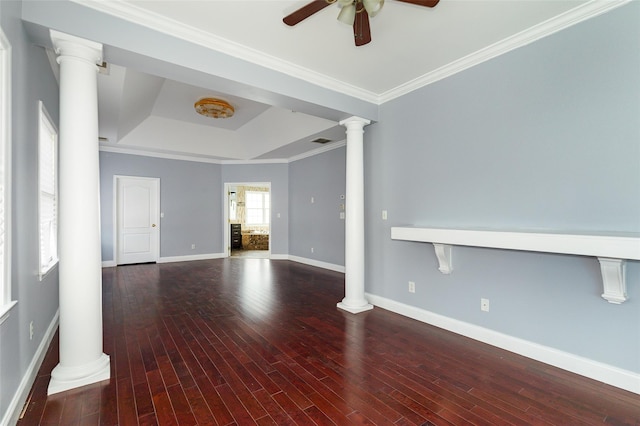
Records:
x=611, y=249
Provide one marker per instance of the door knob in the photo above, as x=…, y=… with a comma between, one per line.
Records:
x=153, y=226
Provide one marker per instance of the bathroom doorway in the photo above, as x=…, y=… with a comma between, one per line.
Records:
x=248, y=219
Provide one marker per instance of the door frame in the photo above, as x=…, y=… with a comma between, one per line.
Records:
x=225, y=219
x=116, y=178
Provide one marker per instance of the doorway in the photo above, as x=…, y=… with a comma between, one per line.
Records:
x=137, y=206
x=247, y=219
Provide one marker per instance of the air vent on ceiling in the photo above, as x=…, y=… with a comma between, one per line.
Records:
x=321, y=140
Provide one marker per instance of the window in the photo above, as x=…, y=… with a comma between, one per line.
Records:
x=48, y=192
x=257, y=205
x=5, y=176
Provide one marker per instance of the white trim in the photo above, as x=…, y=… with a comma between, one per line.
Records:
x=20, y=397
x=5, y=309
x=109, y=264
x=325, y=148
x=5, y=143
x=257, y=161
x=279, y=257
x=163, y=24
x=144, y=152
x=169, y=26
x=541, y=30
x=599, y=371
x=317, y=263
x=171, y=259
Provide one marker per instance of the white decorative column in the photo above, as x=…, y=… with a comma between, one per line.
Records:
x=354, y=300
x=80, y=271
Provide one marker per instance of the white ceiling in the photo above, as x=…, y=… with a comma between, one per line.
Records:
x=411, y=46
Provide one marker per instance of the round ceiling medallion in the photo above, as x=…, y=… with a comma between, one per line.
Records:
x=214, y=108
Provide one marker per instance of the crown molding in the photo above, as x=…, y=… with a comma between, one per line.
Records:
x=565, y=20
x=134, y=14
x=145, y=152
x=137, y=15
x=326, y=148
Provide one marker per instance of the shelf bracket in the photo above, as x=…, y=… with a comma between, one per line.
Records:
x=443, y=253
x=613, y=279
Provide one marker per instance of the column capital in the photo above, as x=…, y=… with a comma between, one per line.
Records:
x=68, y=45
x=355, y=121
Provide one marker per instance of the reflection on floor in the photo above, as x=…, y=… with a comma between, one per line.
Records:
x=254, y=254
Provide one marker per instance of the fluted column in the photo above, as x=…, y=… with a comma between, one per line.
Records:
x=80, y=272
x=354, y=300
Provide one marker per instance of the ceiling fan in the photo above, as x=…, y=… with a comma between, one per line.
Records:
x=352, y=12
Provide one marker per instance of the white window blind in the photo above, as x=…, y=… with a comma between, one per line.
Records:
x=5, y=177
x=48, y=187
x=257, y=206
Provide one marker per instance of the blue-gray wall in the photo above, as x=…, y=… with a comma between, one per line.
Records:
x=31, y=81
x=546, y=136
x=317, y=224
x=190, y=199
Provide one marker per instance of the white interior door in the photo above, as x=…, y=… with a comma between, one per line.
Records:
x=137, y=207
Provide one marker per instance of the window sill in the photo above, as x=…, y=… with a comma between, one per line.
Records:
x=4, y=310
x=49, y=270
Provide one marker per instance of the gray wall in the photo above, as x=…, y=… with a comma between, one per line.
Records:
x=277, y=174
x=190, y=198
x=32, y=80
x=547, y=137
x=317, y=224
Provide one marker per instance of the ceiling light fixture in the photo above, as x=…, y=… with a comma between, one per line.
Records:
x=214, y=108
x=349, y=9
x=352, y=12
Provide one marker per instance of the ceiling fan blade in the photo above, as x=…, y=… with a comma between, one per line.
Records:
x=361, y=28
x=305, y=11
x=426, y=3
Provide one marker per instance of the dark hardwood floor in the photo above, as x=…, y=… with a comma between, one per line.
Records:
x=254, y=341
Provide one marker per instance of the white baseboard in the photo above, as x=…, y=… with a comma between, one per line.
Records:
x=319, y=264
x=207, y=256
x=614, y=376
x=279, y=257
x=109, y=264
x=22, y=393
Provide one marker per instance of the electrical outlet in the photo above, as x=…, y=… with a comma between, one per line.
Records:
x=384, y=215
x=193, y=246
x=31, y=330
x=484, y=305
x=311, y=249
x=412, y=287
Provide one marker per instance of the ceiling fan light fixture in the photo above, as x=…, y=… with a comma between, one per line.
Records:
x=347, y=14
x=373, y=6
x=214, y=108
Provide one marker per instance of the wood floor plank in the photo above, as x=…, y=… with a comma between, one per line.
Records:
x=254, y=341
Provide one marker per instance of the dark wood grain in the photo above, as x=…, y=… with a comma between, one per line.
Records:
x=254, y=341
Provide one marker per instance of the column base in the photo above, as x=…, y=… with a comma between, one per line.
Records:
x=355, y=309
x=65, y=378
